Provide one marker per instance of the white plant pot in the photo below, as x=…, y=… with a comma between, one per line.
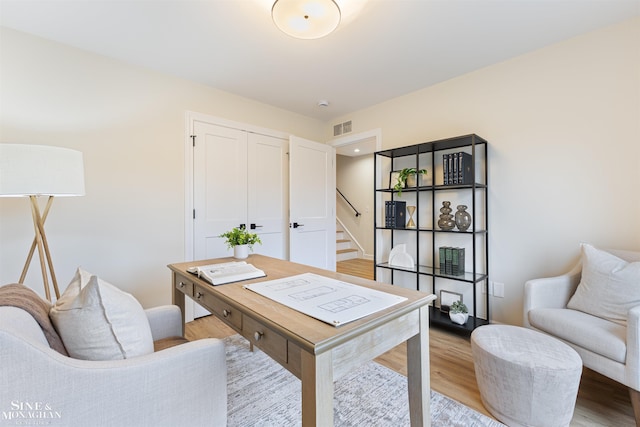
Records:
x=459, y=318
x=241, y=251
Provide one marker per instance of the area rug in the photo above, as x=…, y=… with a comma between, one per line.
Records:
x=262, y=393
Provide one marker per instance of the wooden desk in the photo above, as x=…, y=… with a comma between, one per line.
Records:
x=315, y=352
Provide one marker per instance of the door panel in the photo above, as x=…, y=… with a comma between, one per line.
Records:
x=267, y=194
x=220, y=187
x=312, y=200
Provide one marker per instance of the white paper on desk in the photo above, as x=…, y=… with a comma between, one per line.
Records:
x=329, y=300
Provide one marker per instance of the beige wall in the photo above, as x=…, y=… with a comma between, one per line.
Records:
x=563, y=125
x=130, y=124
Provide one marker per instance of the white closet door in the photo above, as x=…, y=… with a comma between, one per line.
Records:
x=312, y=201
x=267, y=192
x=219, y=187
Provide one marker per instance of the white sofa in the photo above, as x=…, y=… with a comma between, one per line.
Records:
x=180, y=385
x=605, y=346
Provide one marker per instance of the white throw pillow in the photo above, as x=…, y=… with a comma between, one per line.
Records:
x=609, y=286
x=98, y=321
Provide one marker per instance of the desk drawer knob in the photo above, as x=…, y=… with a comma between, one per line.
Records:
x=226, y=313
x=257, y=335
x=198, y=295
x=181, y=285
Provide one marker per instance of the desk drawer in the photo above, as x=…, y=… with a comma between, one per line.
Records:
x=220, y=309
x=265, y=339
x=184, y=285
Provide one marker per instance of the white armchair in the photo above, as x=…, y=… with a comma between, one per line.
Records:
x=605, y=346
x=181, y=385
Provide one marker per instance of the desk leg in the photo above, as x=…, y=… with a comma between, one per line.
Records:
x=177, y=298
x=418, y=373
x=317, y=389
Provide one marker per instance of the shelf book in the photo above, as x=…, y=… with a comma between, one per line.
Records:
x=457, y=168
x=395, y=214
x=451, y=260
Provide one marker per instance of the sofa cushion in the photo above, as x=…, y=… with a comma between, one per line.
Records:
x=609, y=286
x=98, y=321
x=593, y=333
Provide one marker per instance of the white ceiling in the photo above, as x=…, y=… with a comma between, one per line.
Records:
x=388, y=48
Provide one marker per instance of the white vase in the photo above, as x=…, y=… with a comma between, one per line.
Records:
x=459, y=318
x=241, y=251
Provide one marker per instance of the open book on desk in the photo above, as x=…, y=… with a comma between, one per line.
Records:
x=227, y=272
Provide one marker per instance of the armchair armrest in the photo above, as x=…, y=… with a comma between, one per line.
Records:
x=632, y=363
x=181, y=385
x=550, y=292
x=165, y=321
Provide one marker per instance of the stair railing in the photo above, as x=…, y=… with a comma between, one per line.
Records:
x=349, y=203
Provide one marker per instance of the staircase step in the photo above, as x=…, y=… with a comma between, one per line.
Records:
x=345, y=254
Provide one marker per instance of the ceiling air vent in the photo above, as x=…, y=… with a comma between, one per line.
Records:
x=342, y=128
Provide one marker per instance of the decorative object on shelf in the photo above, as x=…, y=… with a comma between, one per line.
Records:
x=462, y=218
x=458, y=312
x=411, y=210
x=393, y=178
x=447, y=299
x=407, y=177
x=446, y=221
x=398, y=257
x=241, y=241
x=394, y=214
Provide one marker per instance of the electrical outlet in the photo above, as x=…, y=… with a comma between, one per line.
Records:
x=490, y=290
x=498, y=290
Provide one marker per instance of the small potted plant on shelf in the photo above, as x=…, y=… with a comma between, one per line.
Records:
x=458, y=313
x=407, y=176
x=241, y=241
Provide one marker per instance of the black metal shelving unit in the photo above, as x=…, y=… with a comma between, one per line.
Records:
x=416, y=156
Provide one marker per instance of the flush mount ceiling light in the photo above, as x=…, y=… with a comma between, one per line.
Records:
x=306, y=19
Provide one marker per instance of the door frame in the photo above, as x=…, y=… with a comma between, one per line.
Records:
x=355, y=139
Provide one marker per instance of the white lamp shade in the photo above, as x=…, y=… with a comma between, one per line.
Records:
x=306, y=19
x=40, y=170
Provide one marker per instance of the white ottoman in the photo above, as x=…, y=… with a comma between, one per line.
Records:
x=525, y=378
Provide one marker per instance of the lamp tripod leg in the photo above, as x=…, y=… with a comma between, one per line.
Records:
x=34, y=243
x=43, y=247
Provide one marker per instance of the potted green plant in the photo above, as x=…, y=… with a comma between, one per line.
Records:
x=407, y=174
x=458, y=313
x=241, y=241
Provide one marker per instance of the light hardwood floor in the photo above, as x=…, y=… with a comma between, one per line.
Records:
x=601, y=401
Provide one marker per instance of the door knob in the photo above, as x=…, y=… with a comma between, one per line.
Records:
x=296, y=225
x=253, y=226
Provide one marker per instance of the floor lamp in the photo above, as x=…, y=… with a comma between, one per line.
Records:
x=38, y=170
